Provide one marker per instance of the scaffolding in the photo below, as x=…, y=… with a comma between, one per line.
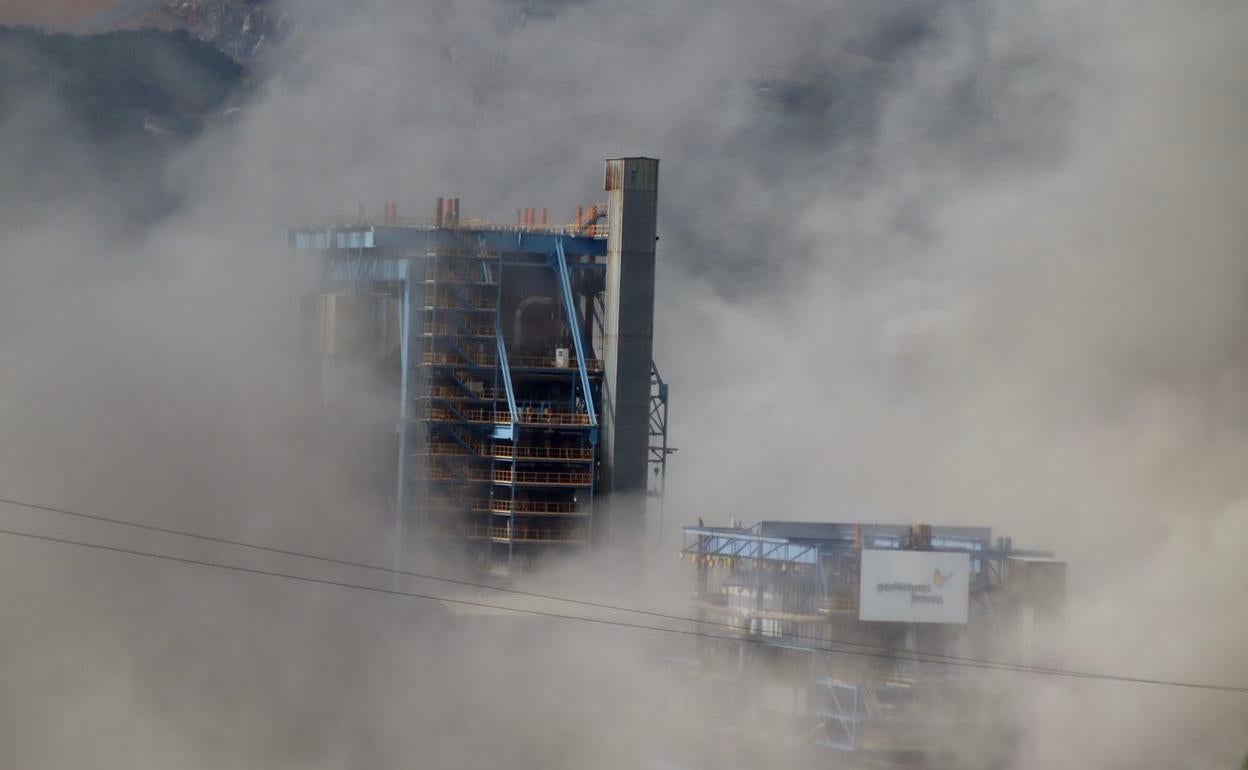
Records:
x=500, y=379
x=507, y=438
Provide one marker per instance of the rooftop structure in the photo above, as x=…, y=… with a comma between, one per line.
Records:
x=526, y=391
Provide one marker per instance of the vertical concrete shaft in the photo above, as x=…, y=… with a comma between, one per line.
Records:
x=628, y=336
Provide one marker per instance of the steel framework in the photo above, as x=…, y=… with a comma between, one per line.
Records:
x=497, y=447
x=794, y=588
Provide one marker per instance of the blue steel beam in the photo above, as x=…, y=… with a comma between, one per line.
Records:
x=749, y=545
x=343, y=271
x=460, y=382
x=742, y=546
x=406, y=338
x=506, y=370
x=451, y=407
x=460, y=440
x=427, y=240
x=455, y=347
x=569, y=306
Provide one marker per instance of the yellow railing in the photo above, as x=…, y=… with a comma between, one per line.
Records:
x=465, y=223
x=438, y=358
x=448, y=330
x=446, y=504
x=507, y=476
x=557, y=478
x=503, y=417
x=437, y=473
x=451, y=393
x=508, y=452
x=496, y=417
x=448, y=301
x=528, y=534
x=443, y=273
x=543, y=417
x=446, y=449
x=549, y=362
x=526, y=507
x=438, y=414
x=468, y=439
x=536, y=508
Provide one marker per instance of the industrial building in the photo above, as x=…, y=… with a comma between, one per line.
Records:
x=529, y=420
x=847, y=634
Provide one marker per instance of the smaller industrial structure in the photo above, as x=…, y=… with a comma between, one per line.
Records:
x=862, y=639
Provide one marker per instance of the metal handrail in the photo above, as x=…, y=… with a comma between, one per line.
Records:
x=507, y=476
x=503, y=417
x=550, y=362
x=574, y=323
x=458, y=394
x=446, y=449
x=530, y=416
x=446, y=301
x=526, y=534
x=436, y=358
x=544, y=478
x=440, y=274
x=359, y=223
x=508, y=452
x=532, y=507
x=448, y=330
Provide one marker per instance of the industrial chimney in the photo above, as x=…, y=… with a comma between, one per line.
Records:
x=628, y=339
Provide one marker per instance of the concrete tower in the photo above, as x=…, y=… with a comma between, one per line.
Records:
x=628, y=338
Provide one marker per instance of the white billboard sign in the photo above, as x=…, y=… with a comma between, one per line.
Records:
x=914, y=586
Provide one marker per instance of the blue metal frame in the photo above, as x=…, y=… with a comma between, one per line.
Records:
x=844, y=699
x=658, y=427
x=424, y=240
x=845, y=715
x=505, y=370
x=748, y=544
x=578, y=340
x=405, y=359
x=359, y=254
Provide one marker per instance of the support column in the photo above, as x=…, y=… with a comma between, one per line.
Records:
x=407, y=355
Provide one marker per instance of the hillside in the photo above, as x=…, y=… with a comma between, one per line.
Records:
x=56, y=14
x=78, y=110
x=116, y=82
x=240, y=28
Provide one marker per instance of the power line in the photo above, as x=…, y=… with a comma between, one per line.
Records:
x=908, y=654
x=896, y=652
x=600, y=621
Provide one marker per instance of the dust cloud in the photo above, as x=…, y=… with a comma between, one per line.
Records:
x=942, y=262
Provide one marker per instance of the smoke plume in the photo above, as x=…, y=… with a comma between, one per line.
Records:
x=940, y=262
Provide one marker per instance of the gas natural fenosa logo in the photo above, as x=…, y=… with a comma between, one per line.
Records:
x=920, y=593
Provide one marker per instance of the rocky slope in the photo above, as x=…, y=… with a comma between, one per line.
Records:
x=240, y=28
x=95, y=117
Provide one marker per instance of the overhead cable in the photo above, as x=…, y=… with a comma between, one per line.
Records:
x=607, y=622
